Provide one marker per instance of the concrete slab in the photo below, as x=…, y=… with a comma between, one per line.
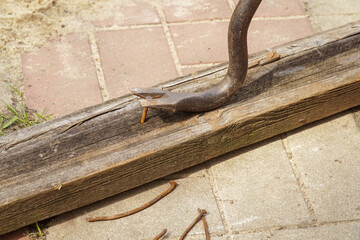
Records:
x=174, y=212
x=129, y=59
x=202, y=237
x=356, y=114
x=257, y=188
x=195, y=10
x=327, y=14
x=193, y=172
x=326, y=155
x=331, y=21
x=343, y=231
x=333, y=7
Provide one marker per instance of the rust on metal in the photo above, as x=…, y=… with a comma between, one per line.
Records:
x=136, y=210
x=222, y=92
x=160, y=235
x=206, y=229
x=196, y=220
x=143, y=117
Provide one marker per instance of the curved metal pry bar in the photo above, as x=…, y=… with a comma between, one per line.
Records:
x=221, y=92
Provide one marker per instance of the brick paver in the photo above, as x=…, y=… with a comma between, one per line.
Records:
x=201, y=42
x=121, y=13
x=279, y=8
x=331, y=14
x=134, y=58
x=328, y=22
x=209, y=44
x=335, y=7
x=61, y=76
x=124, y=51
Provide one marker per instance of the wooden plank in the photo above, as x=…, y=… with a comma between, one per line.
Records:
x=98, y=152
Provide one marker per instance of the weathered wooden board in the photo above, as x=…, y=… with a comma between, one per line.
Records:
x=95, y=153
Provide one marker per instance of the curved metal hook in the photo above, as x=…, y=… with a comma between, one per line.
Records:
x=222, y=92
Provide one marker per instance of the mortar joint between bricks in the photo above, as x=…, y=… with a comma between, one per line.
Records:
x=218, y=200
x=97, y=62
x=161, y=13
x=310, y=15
x=298, y=178
x=231, y=4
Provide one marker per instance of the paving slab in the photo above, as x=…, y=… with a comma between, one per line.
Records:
x=338, y=231
x=134, y=58
x=279, y=8
x=195, y=10
x=333, y=21
x=333, y=7
x=174, y=212
x=61, y=76
x=327, y=14
x=120, y=13
x=267, y=33
x=209, y=45
x=202, y=237
x=356, y=114
x=258, y=189
x=326, y=155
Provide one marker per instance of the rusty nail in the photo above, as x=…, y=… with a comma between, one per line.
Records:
x=197, y=219
x=160, y=234
x=223, y=91
x=143, y=117
x=142, y=207
x=206, y=229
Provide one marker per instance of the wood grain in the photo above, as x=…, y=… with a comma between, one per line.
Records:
x=98, y=152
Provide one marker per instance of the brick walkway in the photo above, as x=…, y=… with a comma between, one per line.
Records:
x=143, y=44
x=300, y=185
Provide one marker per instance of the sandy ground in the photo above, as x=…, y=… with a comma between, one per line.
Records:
x=26, y=25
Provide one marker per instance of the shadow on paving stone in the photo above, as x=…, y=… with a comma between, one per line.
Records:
x=356, y=114
x=230, y=155
x=318, y=122
x=197, y=171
